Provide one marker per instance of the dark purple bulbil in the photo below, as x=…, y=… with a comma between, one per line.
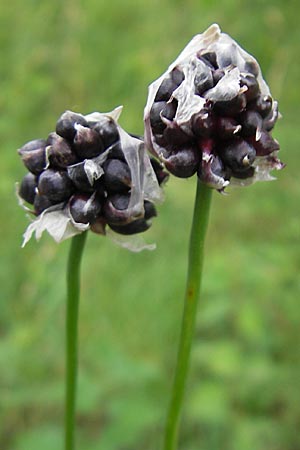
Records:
x=33, y=155
x=117, y=177
x=56, y=185
x=27, y=189
x=85, y=208
x=183, y=163
x=65, y=126
x=58, y=175
x=115, y=213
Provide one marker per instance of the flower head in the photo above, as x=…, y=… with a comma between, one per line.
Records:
x=90, y=174
x=212, y=113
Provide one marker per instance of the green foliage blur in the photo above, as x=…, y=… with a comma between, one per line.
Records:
x=244, y=384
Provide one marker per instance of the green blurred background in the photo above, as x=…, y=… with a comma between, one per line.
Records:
x=244, y=384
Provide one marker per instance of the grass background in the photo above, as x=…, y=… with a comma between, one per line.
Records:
x=244, y=384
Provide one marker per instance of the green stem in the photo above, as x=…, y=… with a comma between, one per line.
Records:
x=73, y=292
x=196, y=251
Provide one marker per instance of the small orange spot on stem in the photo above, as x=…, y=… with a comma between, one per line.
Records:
x=190, y=293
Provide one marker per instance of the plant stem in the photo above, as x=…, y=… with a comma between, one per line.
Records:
x=196, y=251
x=73, y=292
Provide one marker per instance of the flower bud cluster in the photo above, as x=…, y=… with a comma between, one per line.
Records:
x=89, y=173
x=212, y=114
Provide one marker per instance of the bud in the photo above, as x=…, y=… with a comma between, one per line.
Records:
x=59, y=152
x=116, y=152
x=238, y=154
x=169, y=85
x=227, y=127
x=33, y=155
x=161, y=111
x=137, y=226
x=87, y=142
x=107, y=129
x=265, y=145
x=251, y=83
x=77, y=173
x=203, y=79
x=262, y=104
x=216, y=120
x=118, y=222
x=65, y=125
x=84, y=208
x=41, y=203
x=55, y=185
x=115, y=210
x=27, y=188
x=116, y=176
x=183, y=163
x=270, y=120
x=232, y=107
x=251, y=123
x=203, y=123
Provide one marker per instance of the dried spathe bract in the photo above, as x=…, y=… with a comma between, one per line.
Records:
x=89, y=174
x=212, y=113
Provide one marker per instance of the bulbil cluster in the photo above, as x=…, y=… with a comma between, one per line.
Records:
x=212, y=114
x=86, y=171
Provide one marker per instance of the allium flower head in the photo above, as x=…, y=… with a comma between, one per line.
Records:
x=90, y=174
x=212, y=113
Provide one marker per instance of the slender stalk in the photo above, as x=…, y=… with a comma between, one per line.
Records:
x=196, y=251
x=73, y=292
